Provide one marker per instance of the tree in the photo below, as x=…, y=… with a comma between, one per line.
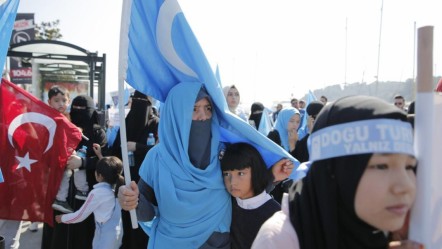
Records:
x=48, y=31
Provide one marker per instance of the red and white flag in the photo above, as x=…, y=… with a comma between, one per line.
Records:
x=35, y=143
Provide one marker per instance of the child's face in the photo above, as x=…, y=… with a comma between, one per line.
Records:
x=293, y=123
x=239, y=183
x=386, y=191
x=59, y=102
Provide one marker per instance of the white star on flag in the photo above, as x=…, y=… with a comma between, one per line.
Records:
x=25, y=162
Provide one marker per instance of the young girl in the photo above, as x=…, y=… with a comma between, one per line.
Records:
x=102, y=202
x=246, y=178
x=285, y=133
x=360, y=186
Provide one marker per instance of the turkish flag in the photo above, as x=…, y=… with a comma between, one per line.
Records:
x=35, y=143
x=439, y=86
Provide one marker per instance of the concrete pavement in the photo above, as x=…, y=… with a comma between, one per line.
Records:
x=28, y=239
x=16, y=230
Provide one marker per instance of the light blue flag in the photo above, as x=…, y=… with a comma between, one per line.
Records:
x=303, y=130
x=218, y=76
x=159, y=50
x=8, y=11
x=126, y=95
x=265, y=124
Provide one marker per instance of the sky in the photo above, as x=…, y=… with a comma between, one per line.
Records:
x=272, y=50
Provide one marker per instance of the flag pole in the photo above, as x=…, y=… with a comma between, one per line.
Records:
x=124, y=40
x=426, y=215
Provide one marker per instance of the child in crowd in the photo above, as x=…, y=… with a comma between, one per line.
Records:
x=285, y=133
x=58, y=98
x=246, y=178
x=102, y=202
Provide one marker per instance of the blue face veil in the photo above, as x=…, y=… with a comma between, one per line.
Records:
x=199, y=138
x=185, y=192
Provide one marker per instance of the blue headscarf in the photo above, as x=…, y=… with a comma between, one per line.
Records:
x=186, y=195
x=282, y=121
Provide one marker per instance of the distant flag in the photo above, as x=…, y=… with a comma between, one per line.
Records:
x=35, y=143
x=8, y=11
x=303, y=129
x=439, y=86
x=265, y=124
x=126, y=95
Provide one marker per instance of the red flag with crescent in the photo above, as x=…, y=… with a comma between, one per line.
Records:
x=35, y=143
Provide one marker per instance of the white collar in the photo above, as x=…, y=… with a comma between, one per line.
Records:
x=254, y=202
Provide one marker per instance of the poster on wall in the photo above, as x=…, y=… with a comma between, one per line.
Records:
x=20, y=69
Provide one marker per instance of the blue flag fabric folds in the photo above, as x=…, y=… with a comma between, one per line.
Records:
x=159, y=50
x=8, y=11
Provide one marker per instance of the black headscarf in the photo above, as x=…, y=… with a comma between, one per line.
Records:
x=139, y=123
x=138, y=116
x=84, y=118
x=256, y=113
x=322, y=207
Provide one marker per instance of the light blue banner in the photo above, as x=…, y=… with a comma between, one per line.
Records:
x=362, y=137
x=8, y=11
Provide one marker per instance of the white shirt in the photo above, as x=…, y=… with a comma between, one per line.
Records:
x=254, y=202
x=278, y=231
x=101, y=201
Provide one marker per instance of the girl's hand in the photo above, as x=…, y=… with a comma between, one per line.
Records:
x=58, y=218
x=128, y=196
x=97, y=150
x=405, y=244
x=282, y=169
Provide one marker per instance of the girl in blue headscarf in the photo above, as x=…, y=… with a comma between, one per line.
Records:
x=285, y=129
x=285, y=133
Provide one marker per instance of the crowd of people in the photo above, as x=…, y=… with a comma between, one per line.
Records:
x=191, y=189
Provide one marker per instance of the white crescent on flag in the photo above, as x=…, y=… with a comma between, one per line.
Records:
x=166, y=15
x=33, y=117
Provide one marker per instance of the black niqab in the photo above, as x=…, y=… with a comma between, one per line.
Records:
x=84, y=118
x=138, y=116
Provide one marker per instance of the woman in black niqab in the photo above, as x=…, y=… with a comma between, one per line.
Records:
x=140, y=121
